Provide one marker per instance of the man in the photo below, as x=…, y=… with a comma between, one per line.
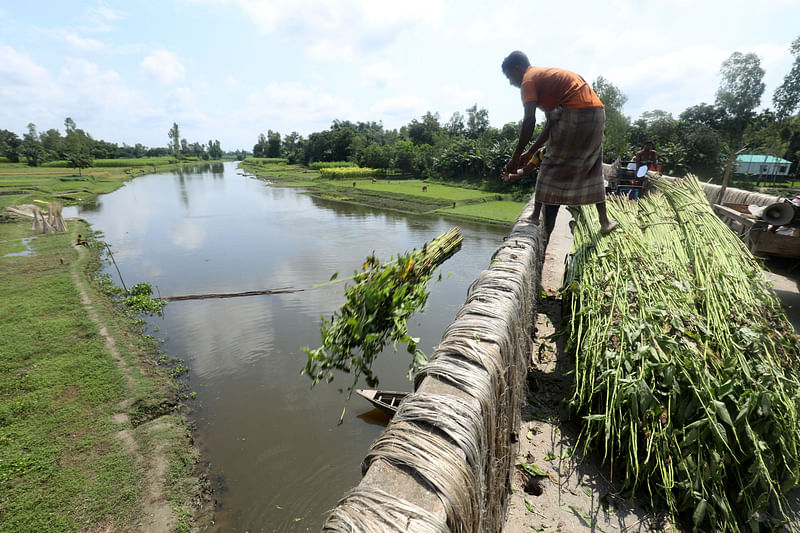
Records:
x=646, y=156
x=571, y=172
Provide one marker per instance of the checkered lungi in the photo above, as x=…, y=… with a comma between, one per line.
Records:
x=571, y=172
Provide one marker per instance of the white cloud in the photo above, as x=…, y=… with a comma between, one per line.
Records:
x=400, y=106
x=292, y=106
x=101, y=18
x=82, y=44
x=187, y=235
x=19, y=72
x=341, y=30
x=163, y=66
x=379, y=75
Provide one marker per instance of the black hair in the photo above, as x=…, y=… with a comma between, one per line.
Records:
x=515, y=59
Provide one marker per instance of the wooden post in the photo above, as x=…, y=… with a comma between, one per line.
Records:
x=115, y=266
x=725, y=178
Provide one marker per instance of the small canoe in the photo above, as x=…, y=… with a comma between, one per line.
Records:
x=386, y=400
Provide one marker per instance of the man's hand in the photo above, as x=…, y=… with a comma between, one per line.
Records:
x=511, y=176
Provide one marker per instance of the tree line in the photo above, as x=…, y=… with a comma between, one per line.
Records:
x=79, y=149
x=702, y=139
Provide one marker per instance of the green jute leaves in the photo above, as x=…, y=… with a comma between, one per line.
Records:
x=376, y=311
x=686, y=368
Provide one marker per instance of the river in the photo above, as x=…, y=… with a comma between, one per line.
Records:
x=275, y=453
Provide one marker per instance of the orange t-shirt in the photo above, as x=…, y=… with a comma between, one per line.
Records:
x=552, y=86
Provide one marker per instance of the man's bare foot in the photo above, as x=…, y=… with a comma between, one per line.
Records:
x=608, y=227
x=534, y=220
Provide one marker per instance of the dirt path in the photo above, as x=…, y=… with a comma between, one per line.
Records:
x=156, y=515
x=575, y=496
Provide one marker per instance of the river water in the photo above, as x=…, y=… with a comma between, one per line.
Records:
x=276, y=455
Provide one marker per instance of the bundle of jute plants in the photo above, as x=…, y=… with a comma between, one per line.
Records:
x=376, y=311
x=686, y=367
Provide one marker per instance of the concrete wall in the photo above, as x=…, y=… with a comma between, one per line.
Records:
x=444, y=462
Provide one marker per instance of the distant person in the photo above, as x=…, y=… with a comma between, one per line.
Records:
x=81, y=241
x=572, y=171
x=646, y=156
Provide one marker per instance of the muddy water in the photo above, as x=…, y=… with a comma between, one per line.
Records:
x=273, y=444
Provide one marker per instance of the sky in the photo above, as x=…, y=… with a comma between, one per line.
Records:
x=229, y=70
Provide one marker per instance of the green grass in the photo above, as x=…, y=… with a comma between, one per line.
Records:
x=62, y=468
x=406, y=196
x=121, y=162
x=495, y=211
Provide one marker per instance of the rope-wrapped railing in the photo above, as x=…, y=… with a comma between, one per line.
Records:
x=444, y=462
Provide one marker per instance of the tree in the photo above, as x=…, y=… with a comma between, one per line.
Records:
x=214, y=149
x=292, y=146
x=80, y=159
x=615, y=138
x=787, y=97
x=703, y=113
x=477, y=121
x=31, y=147
x=175, y=140
x=10, y=145
x=738, y=96
x=69, y=125
x=375, y=156
x=739, y=93
x=273, y=144
x=260, y=148
x=455, y=126
x=53, y=144
x=424, y=131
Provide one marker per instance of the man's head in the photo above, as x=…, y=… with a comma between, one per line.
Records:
x=514, y=67
x=648, y=145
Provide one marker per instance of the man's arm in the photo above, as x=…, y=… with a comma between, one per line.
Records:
x=525, y=134
x=540, y=140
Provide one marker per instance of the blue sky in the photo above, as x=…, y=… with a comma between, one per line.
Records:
x=231, y=69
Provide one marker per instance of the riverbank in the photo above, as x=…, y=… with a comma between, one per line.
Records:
x=21, y=184
x=91, y=434
x=411, y=196
x=92, y=437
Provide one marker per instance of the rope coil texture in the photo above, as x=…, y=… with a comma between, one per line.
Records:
x=459, y=445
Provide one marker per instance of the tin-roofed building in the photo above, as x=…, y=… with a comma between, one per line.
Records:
x=767, y=166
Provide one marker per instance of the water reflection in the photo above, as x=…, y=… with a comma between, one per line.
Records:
x=268, y=436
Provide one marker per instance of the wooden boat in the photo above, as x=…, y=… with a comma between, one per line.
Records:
x=386, y=400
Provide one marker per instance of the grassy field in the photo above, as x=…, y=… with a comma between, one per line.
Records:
x=408, y=196
x=82, y=424
x=21, y=184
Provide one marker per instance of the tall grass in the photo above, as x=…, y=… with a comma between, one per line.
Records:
x=346, y=173
x=318, y=165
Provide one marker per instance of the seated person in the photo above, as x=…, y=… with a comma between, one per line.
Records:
x=647, y=156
